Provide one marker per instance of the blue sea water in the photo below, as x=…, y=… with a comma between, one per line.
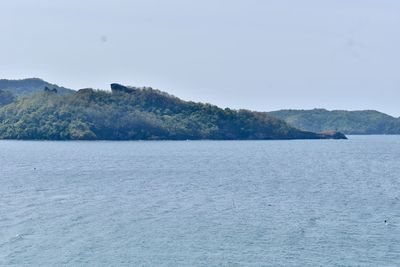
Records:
x=201, y=203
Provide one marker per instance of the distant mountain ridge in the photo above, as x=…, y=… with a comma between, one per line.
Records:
x=133, y=113
x=347, y=122
x=30, y=86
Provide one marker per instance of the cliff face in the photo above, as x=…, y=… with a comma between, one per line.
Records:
x=334, y=135
x=132, y=113
x=117, y=88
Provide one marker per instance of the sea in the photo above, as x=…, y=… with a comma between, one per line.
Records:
x=201, y=203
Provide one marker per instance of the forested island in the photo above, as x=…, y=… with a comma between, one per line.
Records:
x=348, y=122
x=33, y=109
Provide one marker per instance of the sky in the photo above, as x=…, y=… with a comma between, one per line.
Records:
x=255, y=54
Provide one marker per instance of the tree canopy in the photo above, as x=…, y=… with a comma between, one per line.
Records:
x=129, y=113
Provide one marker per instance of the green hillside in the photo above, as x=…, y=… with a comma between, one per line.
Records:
x=129, y=113
x=6, y=98
x=347, y=122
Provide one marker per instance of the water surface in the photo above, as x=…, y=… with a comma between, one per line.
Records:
x=205, y=203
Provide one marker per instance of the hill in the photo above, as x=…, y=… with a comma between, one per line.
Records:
x=130, y=113
x=347, y=122
x=6, y=98
x=30, y=86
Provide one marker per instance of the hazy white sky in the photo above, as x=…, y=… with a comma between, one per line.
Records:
x=256, y=54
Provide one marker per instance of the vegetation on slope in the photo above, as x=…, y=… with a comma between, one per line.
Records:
x=347, y=122
x=129, y=113
x=6, y=98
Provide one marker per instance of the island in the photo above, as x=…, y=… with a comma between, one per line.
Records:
x=132, y=113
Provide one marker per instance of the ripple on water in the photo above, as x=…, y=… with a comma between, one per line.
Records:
x=278, y=203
